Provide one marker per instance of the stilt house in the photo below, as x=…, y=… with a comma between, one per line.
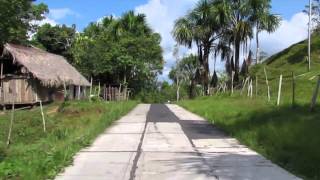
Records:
x=29, y=75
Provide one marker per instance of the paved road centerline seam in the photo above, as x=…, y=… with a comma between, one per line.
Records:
x=138, y=154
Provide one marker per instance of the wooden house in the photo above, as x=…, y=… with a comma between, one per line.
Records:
x=29, y=75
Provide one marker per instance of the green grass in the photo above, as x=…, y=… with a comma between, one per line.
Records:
x=288, y=137
x=71, y=126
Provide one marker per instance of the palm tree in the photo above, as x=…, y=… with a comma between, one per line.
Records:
x=237, y=33
x=202, y=27
x=263, y=20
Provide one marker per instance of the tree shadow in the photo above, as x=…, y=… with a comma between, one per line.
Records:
x=211, y=161
x=288, y=136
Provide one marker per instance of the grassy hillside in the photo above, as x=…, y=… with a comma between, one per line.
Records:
x=34, y=154
x=286, y=62
x=294, y=59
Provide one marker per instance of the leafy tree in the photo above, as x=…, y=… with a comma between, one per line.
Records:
x=120, y=51
x=56, y=39
x=17, y=19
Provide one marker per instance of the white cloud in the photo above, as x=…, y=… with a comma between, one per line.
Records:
x=161, y=15
x=47, y=20
x=290, y=32
x=61, y=13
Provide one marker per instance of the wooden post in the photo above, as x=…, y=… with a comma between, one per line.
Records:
x=251, y=88
x=79, y=92
x=232, y=79
x=315, y=95
x=42, y=114
x=85, y=92
x=99, y=89
x=1, y=84
x=279, y=92
x=104, y=92
x=257, y=86
x=109, y=93
x=65, y=91
x=244, y=85
x=267, y=82
x=90, y=88
x=11, y=124
x=112, y=94
x=128, y=94
x=293, y=90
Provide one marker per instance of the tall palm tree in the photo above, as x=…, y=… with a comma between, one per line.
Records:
x=263, y=20
x=201, y=27
x=237, y=33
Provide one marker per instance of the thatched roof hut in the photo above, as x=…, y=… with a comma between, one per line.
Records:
x=50, y=69
x=30, y=75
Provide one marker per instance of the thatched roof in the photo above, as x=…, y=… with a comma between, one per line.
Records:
x=50, y=69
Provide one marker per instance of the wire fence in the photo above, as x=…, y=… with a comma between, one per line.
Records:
x=284, y=89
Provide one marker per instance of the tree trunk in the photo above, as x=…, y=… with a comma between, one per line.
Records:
x=124, y=93
x=237, y=61
x=178, y=89
x=192, y=92
x=206, y=72
x=258, y=46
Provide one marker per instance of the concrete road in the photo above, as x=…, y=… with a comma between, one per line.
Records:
x=168, y=142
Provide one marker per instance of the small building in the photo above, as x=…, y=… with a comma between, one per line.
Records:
x=29, y=75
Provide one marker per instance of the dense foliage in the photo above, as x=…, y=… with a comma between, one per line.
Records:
x=120, y=51
x=56, y=39
x=17, y=19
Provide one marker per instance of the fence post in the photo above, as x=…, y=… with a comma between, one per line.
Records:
x=244, y=85
x=90, y=87
x=11, y=124
x=232, y=79
x=279, y=92
x=42, y=114
x=104, y=92
x=293, y=90
x=256, y=85
x=79, y=92
x=267, y=82
x=248, y=91
x=99, y=90
x=251, y=88
x=315, y=95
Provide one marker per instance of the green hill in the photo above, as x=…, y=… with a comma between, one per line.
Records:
x=294, y=59
x=286, y=62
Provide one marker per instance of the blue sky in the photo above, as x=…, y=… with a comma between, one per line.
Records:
x=161, y=15
x=82, y=11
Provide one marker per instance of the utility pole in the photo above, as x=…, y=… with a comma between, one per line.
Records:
x=309, y=36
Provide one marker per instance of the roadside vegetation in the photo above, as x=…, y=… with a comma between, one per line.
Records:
x=287, y=134
x=71, y=126
x=289, y=137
